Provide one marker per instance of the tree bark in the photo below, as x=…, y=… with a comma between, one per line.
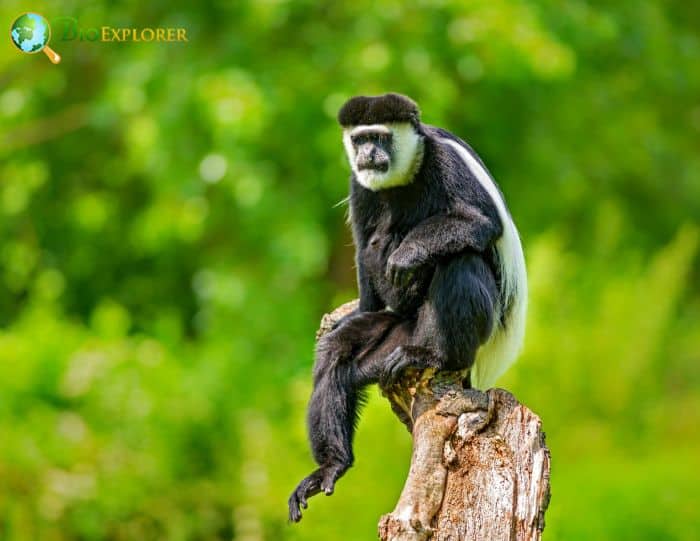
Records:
x=479, y=469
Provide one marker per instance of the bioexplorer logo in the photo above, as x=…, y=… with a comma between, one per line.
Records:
x=30, y=32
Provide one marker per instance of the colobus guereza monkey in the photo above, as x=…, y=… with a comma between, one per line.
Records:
x=440, y=269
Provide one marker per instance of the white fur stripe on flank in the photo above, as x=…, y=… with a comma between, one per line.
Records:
x=501, y=349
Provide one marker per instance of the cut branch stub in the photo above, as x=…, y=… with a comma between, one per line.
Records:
x=479, y=469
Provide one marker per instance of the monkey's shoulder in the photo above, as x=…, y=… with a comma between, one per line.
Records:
x=467, y=194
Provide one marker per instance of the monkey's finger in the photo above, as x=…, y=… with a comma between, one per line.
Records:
x=403, y=277
x=329, y=488
x=294, y=511
x=393, y=274
x=306, y=493
x=328, y=484
x=383, y=380
x=390, y=273
x=398, y=369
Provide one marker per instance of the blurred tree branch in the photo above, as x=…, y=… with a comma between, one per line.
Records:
x=70, y=119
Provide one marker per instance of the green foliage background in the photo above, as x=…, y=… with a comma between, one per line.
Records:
x=169, y=237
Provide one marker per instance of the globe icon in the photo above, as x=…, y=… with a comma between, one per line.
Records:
x=31, y=33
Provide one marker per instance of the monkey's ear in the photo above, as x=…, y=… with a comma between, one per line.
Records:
x=382, y=109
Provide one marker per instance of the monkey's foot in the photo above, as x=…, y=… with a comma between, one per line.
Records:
x=403, y=358
x=322, y=480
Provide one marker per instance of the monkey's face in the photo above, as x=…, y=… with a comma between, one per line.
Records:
x=373, y=148
x=383, y=155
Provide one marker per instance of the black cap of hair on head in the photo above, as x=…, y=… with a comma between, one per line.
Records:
x=378, y=110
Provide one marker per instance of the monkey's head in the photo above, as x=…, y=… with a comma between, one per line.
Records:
x=382, y=139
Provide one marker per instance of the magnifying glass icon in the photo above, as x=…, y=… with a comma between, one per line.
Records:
x=31, y=33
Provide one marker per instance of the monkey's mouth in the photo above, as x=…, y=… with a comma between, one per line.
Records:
x=381, y=167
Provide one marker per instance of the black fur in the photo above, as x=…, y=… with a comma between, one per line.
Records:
x=426, y=250
x=378, y=110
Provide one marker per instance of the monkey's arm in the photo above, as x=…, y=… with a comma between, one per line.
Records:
x=441, y=236
x=369, y=299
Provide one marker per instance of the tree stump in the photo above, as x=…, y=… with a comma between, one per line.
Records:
x=479, y=469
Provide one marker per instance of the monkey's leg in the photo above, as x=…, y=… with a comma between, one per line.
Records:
x=457, y=317
x=347, y=359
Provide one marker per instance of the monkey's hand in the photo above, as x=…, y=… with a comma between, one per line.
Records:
x=322, y=480
x=403, y=263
